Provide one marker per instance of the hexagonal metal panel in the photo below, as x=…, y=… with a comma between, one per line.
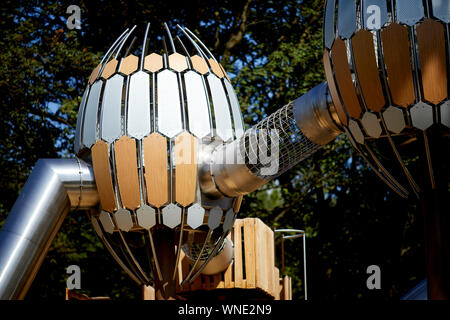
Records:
x=96, y=226
x=153, y=62
x=138, y=117
x=106, y=221
x=177, y=62
x=110, y=118
x=123, y=219
x=409, y=11
x=215, y=68
x=146, y=216
x=129, y=64
x=445, y=114
x=171, y=215
x=328, y=24
x=195, y=215
x=169, y=103
x=228, y=222
x=215, y=216
x=422, y=115
x=346, y=18
x=356, y=131
x=441, y=10
x=94, y=74
x=371, y=125
x=199, y=64
x=109, y=69
x=394, y=119
x=90, y=115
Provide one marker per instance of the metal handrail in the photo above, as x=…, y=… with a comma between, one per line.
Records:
x=299, y=234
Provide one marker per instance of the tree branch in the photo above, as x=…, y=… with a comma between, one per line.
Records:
x=235, y=38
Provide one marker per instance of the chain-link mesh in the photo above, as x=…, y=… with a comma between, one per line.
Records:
x=275, y=144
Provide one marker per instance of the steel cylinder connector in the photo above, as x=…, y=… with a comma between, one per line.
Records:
x=276, y=144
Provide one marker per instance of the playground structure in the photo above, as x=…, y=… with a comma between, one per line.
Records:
x=163, y=159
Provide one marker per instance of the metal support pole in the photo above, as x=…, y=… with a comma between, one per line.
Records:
x=300, y=234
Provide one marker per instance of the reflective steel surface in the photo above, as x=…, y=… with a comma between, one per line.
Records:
x=54, y=187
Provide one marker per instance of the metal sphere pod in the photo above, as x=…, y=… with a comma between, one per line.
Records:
x=387, y=70
x=148, y=117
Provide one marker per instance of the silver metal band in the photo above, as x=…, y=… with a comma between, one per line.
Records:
x=313, y=116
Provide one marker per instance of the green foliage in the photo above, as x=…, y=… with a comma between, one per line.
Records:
x=273, y=52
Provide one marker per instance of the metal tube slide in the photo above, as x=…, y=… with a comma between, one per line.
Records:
x=54, y=187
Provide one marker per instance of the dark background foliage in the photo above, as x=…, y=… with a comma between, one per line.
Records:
x=272, y=50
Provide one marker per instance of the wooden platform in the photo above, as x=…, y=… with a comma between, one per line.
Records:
x=252, y=275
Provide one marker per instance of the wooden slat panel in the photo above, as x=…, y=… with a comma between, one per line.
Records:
x=249, y=251
x=153, y=62
x=237, y=204
x=94, y=74
x=333, y=90
x=285, y=288
x=102, y=173
x=259, y=248
x=155, y=162
x=397, y=57
x=271, y=261
x=109, y=69
x=185, y=169
x=224, y=72
x=148, y=293
x=367, y=69
x=216, y=68
x=177, y=62
x=238, y=274
x=276, y=279
x=431, y=42
x=344, y=78
x=129, y=64
x=127, y=172
x=199, y=64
